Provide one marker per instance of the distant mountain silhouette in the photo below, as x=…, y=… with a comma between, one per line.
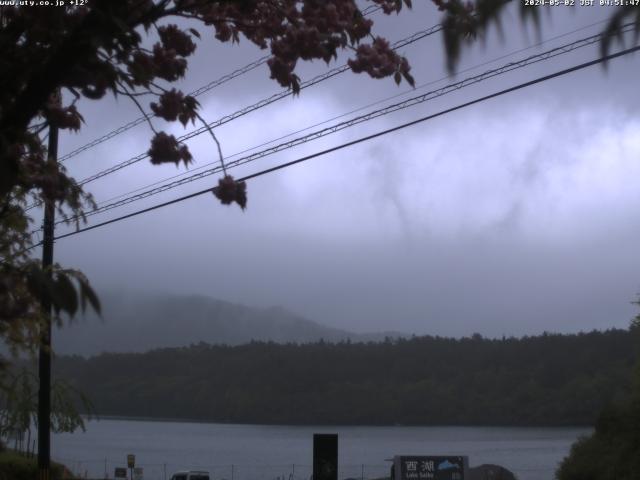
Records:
x=140, y=322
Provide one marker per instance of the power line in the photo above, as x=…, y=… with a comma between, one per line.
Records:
x=211, y=85
x=205, y=88
x=407, y=103
x=432, y=82
x=413, y=101
x=368, y=137
x=143, y=119
x=239, y=113
x=260, y=104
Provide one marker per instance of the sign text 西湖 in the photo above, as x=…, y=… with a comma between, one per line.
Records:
x=430, y=467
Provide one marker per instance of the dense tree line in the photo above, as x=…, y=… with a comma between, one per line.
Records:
x=545, y=380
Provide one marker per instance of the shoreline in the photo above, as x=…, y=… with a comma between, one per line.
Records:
x=135, y=418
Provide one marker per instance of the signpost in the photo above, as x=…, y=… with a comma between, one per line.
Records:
x=137, y=473
x=120, y=472
x=131, y=463
x=430, y=467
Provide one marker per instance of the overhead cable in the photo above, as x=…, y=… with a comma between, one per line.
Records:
x=520, y=86
x=260, y=104
x=410, y=102
x=205, y=88
x=346, y=114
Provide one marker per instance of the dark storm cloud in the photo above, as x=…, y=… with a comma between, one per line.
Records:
x=515, y=216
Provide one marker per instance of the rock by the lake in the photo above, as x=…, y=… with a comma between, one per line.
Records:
x=490, y=472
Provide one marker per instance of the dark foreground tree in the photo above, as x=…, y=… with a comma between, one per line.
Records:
x=19, y=403
x=612, y=451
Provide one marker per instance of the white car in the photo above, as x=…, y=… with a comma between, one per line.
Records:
x=190, y=475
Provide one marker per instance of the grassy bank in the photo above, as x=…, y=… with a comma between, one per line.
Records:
x=16, y=466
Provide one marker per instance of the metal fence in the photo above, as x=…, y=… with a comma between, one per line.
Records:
x=105, y=469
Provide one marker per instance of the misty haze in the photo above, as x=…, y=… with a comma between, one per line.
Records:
x=312, y=254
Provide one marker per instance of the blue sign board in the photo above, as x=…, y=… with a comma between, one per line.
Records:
x=443, y=467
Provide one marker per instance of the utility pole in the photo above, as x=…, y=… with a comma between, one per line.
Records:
x=44, y=360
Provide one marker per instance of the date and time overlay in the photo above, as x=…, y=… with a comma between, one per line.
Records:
x=581, y=3
x=527, y=3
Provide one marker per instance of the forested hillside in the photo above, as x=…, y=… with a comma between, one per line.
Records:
x=544, y=380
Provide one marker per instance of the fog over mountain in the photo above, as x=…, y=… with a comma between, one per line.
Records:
x=511, y=217
x=140, y=322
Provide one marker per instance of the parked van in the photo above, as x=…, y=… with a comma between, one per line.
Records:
x=191, y=475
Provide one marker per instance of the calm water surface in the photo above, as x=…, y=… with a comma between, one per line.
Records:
x=248, y=452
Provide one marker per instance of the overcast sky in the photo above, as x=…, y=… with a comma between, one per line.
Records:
x=515, y=216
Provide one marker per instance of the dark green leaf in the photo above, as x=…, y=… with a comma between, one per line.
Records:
x=65, y=294
x=87, y=293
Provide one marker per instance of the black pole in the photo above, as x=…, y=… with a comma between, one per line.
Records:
x=44, y=360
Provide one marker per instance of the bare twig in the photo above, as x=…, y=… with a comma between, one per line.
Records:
x=224, y=168
x=133, y=98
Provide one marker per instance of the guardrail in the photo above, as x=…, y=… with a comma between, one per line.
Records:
x=102, y=469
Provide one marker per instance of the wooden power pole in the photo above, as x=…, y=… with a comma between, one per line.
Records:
x=44, y=360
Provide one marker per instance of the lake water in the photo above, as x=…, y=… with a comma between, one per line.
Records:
x=258, y=452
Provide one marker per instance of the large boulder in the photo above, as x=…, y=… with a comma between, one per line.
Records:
x=490, y=472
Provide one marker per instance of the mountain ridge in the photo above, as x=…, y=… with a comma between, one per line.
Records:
x=144, y=321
